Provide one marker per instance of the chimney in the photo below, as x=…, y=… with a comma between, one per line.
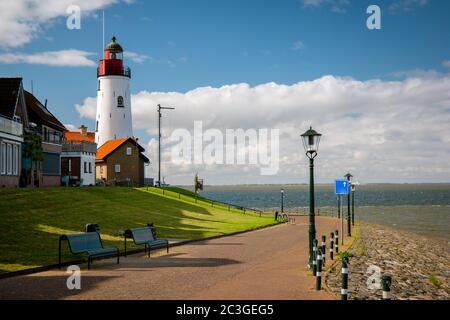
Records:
x=83, y=130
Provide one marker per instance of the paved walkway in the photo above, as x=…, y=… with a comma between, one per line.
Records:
x=265, y=264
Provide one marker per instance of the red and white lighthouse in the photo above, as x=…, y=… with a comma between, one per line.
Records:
x=113, y=119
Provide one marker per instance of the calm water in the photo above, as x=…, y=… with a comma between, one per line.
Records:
x=421, y=208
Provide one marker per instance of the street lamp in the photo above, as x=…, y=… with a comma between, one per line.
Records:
x=349, y=177
x=353, y=189
x=282, y=200
x=311, y=140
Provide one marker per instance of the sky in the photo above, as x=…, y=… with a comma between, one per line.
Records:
x=381, y=98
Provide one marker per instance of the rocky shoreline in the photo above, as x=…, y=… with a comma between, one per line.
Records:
x=420, y=266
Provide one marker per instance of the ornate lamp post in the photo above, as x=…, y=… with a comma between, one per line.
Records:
x=353, y=189
x=311, y=140
x=282, y=200
x=349, y=177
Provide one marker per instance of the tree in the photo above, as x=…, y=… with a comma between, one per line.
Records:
x=33, y=150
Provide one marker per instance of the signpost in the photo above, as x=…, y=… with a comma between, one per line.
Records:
x=341, y=187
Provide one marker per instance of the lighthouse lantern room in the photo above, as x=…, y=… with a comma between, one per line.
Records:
x=113, y=119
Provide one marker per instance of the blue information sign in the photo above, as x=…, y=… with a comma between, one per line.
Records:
x=341, y=187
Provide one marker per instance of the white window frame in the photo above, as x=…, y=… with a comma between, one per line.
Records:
x=117, y=168
x=15, y=159
x=9, y=159
x=3, y=158
x=129, y=151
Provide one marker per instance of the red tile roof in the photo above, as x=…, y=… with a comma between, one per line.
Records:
x=110, y=146
x=76, y=136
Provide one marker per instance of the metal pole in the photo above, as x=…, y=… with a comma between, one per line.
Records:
x=349, y=218
x=159, y=145
x=159, y=140
x=342, y=223
x=339, y=206
x=312, y=227
x=353, y=208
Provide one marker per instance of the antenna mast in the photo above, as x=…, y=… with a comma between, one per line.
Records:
x=103, y=47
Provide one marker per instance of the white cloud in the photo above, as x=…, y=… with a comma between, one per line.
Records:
x=87, y=109
x=338, y=6
x=71, y=127
x=22, y=20
x=62, y=58
x=446, y=63
x=298, y=45
x=406, y=5
x=135, y=57
x=381, y=130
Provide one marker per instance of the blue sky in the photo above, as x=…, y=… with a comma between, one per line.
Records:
x=198, y=43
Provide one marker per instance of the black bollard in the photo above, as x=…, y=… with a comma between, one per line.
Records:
x=344, y=272
x=386, y=281
x=319, y=270
x=331, y=245
x=324, y=247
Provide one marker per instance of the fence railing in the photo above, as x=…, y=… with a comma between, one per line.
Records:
x=10, y=126
x=212, y=203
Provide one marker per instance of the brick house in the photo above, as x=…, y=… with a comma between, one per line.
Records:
x=121, y=162
x=78, y=157
x=45, y=124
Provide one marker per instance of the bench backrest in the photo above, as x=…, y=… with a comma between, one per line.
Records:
x=82, y=242
x=142, y=234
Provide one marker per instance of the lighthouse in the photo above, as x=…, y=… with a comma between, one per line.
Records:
x=113, y=119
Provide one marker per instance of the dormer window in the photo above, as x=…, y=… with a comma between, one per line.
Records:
x=120, y=102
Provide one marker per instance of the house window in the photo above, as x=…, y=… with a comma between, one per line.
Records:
x=117, y=168
x=120, y=102
x=85, y=167
x=129, y=153
x=70, y=165
x=98, y=89
x=101, y=170
x=9, y=159
x=90, y=167
x=3, y=158
x=15, y=159
x=52, y=164
x=96, y=127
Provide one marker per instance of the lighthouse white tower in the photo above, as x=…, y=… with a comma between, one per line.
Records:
x=113, y=120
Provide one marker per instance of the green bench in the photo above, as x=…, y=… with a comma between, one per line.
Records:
x=88, y=243
x=144, y=236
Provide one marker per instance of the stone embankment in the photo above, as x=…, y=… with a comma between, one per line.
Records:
x=420, y=266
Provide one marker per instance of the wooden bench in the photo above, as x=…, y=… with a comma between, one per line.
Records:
x=88, y=243
x=144, y=236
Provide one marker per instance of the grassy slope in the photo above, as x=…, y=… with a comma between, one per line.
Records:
x=31, y=220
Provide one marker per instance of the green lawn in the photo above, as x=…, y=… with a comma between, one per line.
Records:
x=31, y=220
